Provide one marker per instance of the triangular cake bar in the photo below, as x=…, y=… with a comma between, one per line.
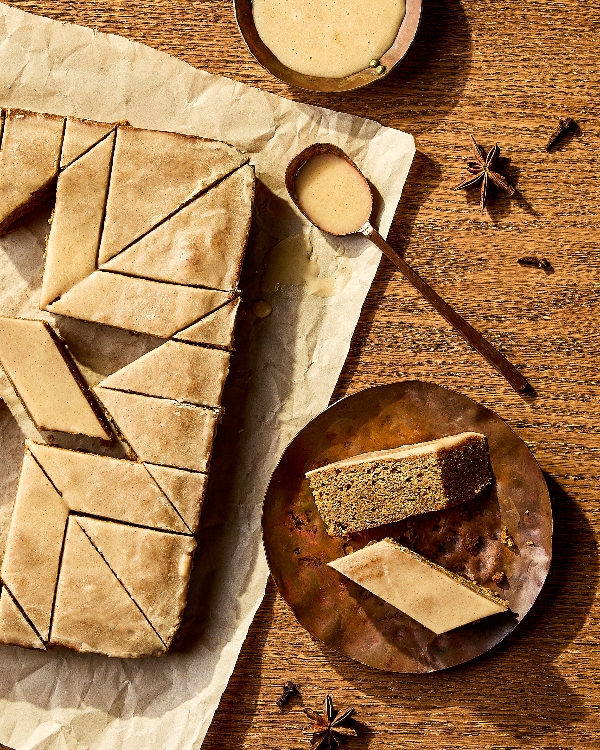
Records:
x=185, y=489
x=183, y=372
x=153, y=566
x=162, y=431
x=93, y=611
x=45, y=378
x=29, y=161
x=33, y=547
x=14, y=628
x=107, y=487
x=80, y=136
x=153, y=174
x=431, y=595
x=202, y=244
x=77, y=223
x=215, y=329
x=137, y=304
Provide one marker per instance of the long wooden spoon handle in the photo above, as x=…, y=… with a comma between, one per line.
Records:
x=483, y=346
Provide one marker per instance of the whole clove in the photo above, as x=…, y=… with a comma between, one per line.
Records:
x=288, y=690
x=564, y=124
x=534, y=261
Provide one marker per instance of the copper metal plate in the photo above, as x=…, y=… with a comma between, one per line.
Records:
x=403, y=40
x=465, y=539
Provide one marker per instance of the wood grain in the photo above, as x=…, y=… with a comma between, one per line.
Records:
x=504, y=71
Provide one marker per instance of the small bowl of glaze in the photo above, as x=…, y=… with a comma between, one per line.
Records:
x=371, y=71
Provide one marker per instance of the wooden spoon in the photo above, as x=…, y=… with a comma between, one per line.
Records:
x=313, y=194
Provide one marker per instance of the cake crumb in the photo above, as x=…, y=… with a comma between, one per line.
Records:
x=472, y=544
x=506, y=538
x=499, y=578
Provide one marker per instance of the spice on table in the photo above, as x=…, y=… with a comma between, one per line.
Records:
x=483, y=169
x=288, y=690
x=564, y=124
x=534, y=261
x=328, y=729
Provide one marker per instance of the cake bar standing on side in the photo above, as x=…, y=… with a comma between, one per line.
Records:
x=385, y=486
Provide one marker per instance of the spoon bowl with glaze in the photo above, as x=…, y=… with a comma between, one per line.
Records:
x=333, y=194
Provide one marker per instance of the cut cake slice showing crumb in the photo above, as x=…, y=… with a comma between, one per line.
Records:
x=153, y=566
x=14, y=628
x=34, y=544
x=93, y=611
x=202, y=244
x=215, y=329
x=154, y=173
x=382, y=487
x=433, y=596
x=75, y=232
x=107, y=487
x=162, y=431
x=185, y=489
x=184, y=372
x=139, y=305
x=46, y=380
x=80, y=136
x=29, y=161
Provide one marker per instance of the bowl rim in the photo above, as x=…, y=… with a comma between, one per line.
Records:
x=263, y=55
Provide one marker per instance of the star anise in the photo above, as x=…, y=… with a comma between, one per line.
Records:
x=328, y=729
x=483, y=169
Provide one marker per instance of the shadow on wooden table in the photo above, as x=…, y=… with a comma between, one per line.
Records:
x=516, y=685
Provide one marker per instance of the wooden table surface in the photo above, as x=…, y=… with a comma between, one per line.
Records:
x=504, y=71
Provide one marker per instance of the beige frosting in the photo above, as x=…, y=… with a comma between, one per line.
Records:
x=29, y=158
x=185, y=489
x=81, y=135
x=153, y=174
x=202, y=244
x=327, y=38
x=333, y=194
x=37, y=366
x=162, y=431
x=216, y=328
x=75, y=232
x=432, y=596
x=406, y=451
x=107, y=487
x=93, y=611
x=153, y=566
x=137, y=304
x=184, y=372
x=34, y=543
x=14, y=628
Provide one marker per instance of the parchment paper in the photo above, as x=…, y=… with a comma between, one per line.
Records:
x=286, y=372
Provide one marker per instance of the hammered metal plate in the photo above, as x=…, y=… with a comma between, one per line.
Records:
x=466, y=539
